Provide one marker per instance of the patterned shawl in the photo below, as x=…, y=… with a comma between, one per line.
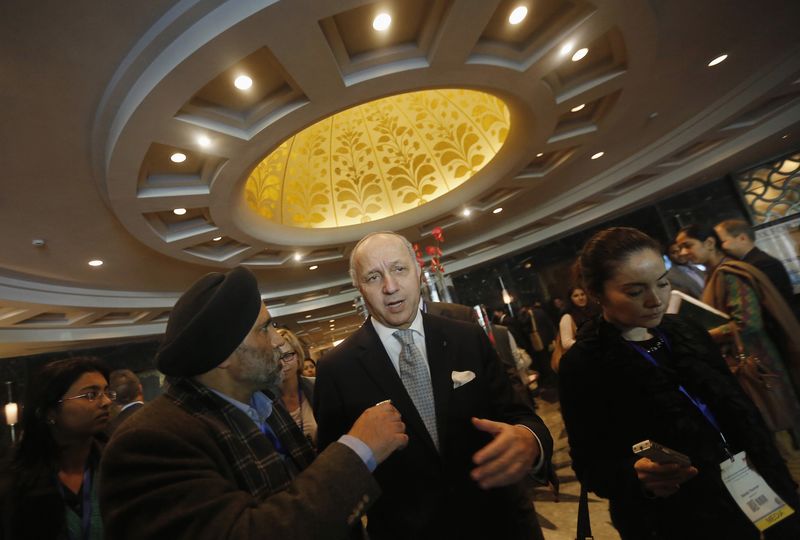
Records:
x=257, y=465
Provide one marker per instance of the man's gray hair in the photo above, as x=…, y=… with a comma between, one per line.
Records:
x=409, y=247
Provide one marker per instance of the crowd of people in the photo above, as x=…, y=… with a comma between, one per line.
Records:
x=422, y=423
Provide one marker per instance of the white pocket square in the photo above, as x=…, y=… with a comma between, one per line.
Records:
x=460, y=378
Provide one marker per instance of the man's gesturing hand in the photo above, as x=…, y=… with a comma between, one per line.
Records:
x=507, y=458
x=381, y=428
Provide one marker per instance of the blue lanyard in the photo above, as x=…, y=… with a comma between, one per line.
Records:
x=266, y=429
x=702, y=407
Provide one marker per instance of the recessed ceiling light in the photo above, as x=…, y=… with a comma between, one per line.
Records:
x=598, y=155
x=298, y=257
x=466, y=212
x=243, y=82
x=718, y=60
x=217, y=238
x=95, y=262
x=313, y=267
x=518, y=15
x=177, y=157
x=567, y=48
x=382, y=22
x=332, y=320
x=540, y=154
x=308, y=316
x=578, y=107
x=579, y=54
x=497, y=210
x=204, y=141
x=179, y=211
x=785, y=136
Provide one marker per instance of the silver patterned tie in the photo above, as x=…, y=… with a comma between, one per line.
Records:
x=417, y=381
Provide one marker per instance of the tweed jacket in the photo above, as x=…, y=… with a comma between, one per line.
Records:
x=612, y=398
x=429, y=493
x=169, y=473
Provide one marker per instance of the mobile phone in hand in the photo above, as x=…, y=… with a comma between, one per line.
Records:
x=660, y=453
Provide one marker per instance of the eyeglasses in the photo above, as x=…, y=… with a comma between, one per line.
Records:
x=92, y=395
x=285, y=357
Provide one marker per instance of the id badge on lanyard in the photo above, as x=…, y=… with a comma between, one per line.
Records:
x=751, y=492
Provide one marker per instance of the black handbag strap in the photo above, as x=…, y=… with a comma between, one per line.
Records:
x=584, y=523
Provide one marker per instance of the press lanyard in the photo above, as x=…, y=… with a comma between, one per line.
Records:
x=266, y=429
x=86, y=508
x=702, y=407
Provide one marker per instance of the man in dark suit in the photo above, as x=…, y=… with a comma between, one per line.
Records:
x=737, y=239
x=130, y=397
x=471, y=439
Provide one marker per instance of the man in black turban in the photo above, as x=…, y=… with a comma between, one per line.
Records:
x=215, y=457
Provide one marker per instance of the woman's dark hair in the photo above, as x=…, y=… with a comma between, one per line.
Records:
x=605, y=251
x=46, y=388
x=701, y=233
x=580, y=314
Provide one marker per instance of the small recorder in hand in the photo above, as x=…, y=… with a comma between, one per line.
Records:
x=660, y=453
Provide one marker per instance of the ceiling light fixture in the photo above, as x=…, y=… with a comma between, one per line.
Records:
x=567, y=48
x=308, y=316
x=95, y=262
x=243, y=82
x=497, y=210
x=313, y=267
x=217, y=238
x=785, y=136
x=598, y=155
x=179, y=211
x=382, y=22
x=578, y=107
x=332, y=320
x=579, y=54
x=298, y=257
x=540, y=154
x=718, y=60
x=466, y=212
x=518, y=15
x=204, y=141
x=177, y=157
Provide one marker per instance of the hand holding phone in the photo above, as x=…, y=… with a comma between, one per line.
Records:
x=660, y=453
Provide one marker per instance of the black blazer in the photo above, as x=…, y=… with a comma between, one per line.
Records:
x=429, y=494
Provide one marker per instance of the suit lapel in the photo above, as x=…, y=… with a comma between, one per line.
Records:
x=376, y=362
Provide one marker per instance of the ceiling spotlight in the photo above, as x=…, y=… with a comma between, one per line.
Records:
x=598, y=155
x=203, y=141
x=332, y=320
x=567, y=48
x=95, y=262
x=785, y=136
x=497, y=210
x=466, y=212
x=179, y=211
x=578, y=107
x=718, y=60
x=298, y=257
x=177, y=157
x=540, y=154
x=579, y=54
x=243, y=82
x=518, y=15
x=217, y=238
x=38, y=242
x=313, y=267
x=308, y=316
x=382, y=22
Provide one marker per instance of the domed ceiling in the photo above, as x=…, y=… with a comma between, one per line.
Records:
x=378, y=159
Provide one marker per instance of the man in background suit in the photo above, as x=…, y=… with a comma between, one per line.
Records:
x=471, y=439
x=130, y=396
x=737, y=239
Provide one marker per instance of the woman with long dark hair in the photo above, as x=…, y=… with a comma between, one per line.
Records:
x=636, y=374
x=580, y=309
x=50, y=488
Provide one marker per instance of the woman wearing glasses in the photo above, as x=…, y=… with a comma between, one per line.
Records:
x=51, y=488
x=297, y=391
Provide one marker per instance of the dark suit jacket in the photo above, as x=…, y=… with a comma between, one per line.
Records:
x=117, y=420
x=775, y=271
x=429, y=494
